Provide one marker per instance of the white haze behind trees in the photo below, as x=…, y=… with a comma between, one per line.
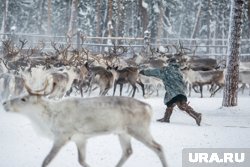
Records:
x=163, y=18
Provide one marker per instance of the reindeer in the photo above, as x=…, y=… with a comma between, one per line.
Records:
x=63, y=77
x=77, y=119
x=10, y=52
x=100, y=76
x=126, y=75
x=80, y=82
x=202, y=64
x=244, y=79
x=104, y=79
x=200, y=78
x=12, y=58
x=151, y=84
x=63, y=80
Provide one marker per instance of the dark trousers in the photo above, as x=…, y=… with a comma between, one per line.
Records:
x=181, y=102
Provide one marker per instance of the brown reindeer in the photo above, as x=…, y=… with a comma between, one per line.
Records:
x=200, y=78
x=100, y=76
x=126, y=75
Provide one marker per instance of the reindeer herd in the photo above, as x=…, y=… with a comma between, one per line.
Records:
x=80, y=71
x=68, y=72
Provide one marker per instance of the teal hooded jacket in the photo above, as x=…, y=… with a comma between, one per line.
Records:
x=172, y=79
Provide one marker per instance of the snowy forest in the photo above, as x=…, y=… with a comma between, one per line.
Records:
x=71, y=70
x=203, y=19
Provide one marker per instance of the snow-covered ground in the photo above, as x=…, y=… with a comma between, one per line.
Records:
x=21, y=146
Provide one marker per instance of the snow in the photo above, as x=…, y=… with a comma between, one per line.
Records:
x=144, y=4
x=21, y=146
x=156, y=8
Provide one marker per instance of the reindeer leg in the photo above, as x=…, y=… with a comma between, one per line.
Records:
x=121, y=86
x=134, y=89
x=125, y=141
x=146, y=138
x=90, y=89
x=195, y=89
x=69, y=91
x=105, y=91
x=201, y=90
x=81, y=148
x=81, y=91
x=213, y=93
x=115, y=84
x=58, y=143
x=142, y=87
x=101, y=92
x=190, y=89
x=243, y=88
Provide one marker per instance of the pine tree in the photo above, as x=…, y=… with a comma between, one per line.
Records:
x=73, y=19
x=230, y=95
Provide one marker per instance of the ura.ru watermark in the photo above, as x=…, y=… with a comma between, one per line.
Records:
x=216, y=157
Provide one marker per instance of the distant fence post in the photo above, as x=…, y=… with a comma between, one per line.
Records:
x=78, y=39
x=147, y=41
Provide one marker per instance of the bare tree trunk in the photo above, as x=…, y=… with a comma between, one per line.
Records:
x=197, y=20
x=98, y=17
x=49, y=17
x=230, y=95
x=40, y=5
x=98, y=22
x=208, y=24
x=143, y=16
x=109, y=25
x=73, y=20
x=5, y=14
x=118, y=19
x=248, y=15
x=160, y=22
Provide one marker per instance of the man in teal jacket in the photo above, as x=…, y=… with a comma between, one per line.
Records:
x=175, y=88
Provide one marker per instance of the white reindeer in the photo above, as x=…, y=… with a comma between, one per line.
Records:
x=61, y=77
x=78, y=119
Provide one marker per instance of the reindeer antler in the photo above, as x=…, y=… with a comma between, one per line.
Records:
x=38, y=92
x=53, y=44
x=5, y=64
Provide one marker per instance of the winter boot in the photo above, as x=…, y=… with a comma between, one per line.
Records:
x=191, y=112
x=167, y=115
x=195, y=115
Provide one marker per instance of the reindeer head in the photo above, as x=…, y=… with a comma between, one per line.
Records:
x=28, y=103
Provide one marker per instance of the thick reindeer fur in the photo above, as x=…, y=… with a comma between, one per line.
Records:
x=13, y=85
x=200, y=78
x=63, y=81
x=127, y=75
x=104, y=79
x=78, y=119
